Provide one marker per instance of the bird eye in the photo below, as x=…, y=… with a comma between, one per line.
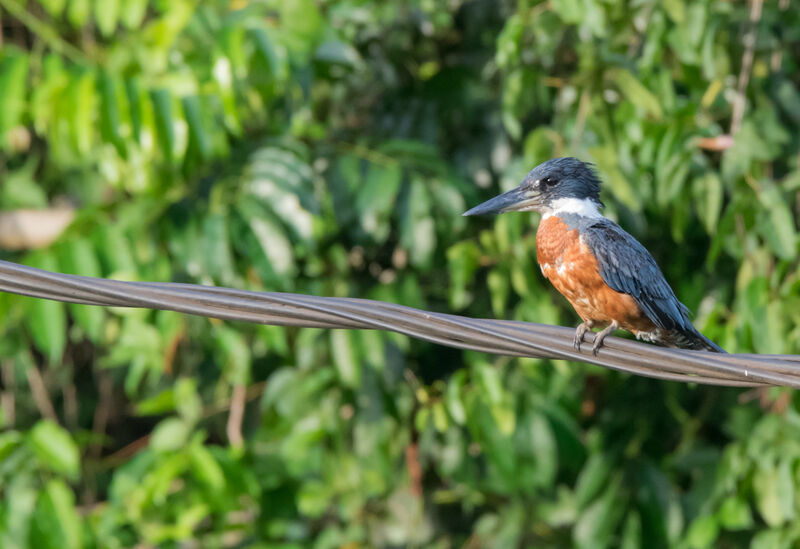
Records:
x=549, y=181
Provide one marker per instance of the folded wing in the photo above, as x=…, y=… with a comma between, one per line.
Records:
x=627, y=267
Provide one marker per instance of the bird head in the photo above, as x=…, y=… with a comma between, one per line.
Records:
x=559, y=183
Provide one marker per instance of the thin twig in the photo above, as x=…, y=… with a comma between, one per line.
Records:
x=580, y=119
x=70, y=394
x=102, y=413
x=776, y=59
x=43, y=31
x=39, y=392
x=749, y=41
x=234, y=427
x=128, y=451
x=7, y=396
x=414, y=469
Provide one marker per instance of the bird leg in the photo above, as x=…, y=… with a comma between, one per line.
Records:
x=580, y=331
x=598, y=339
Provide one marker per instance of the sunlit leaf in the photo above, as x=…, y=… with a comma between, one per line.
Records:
x=345, y=357
x=637, y=93
x=56, y=523
x=55, y=448
x=78, y=12
x=13, y=76
x=53, y=7
x=106, y=13
x=703, y=532
x=132, y=12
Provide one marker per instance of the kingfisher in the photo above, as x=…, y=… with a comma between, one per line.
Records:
x=608, y=277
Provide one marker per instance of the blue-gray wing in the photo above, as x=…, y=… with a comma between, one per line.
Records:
x=627, y=267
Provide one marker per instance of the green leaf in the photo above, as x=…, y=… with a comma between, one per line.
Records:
x=20, y=501
x=345, y=357
x=199, y=140
x=314, y=498
x=773, y=487
x=109, y=113
x=440, y=419
x=778, y=224
x=453, y=398
x=13, y=77
x=607, y=161
x=490, y=381
x=157, y=404
x=78, y=12
x=79, y=103
x=302, y=20
x=770, y=539
x=676, y=10
x=116, y=253
x=266, y=53
x=271, y=237
x=216, y=241
x=55, y=448
x=170, y=435
x=598, y=522
x=504, y=417
x=56, y=523
x=703, y=532
x=593, y=477
x=637, y=93
x=206, y=469
x=134, y=96
x=165, y=129
x=281, y=182
x=54, y=8
x=462, y=262
x=734, y=514
x=375, y=200
x=338, y=52
x=418, y=232
x=106, y=13
x=632, y=532
x=708, y=200
x=543, y=447
x=234, y=354
x=570, y=11
x=20, y=190
x=187, y=401
x=499, y=288
x=132, y=13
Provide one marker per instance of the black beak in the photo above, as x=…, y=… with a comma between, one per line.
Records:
x=521, y=198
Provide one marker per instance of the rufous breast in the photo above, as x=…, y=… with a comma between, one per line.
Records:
x=570, y=265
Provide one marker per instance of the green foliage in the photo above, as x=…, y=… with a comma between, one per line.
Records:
x=329, y=147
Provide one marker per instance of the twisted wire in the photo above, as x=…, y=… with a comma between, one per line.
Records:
x=504, y=337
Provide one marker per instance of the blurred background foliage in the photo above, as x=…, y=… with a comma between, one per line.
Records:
x=328, y=147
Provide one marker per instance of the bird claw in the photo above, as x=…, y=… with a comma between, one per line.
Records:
x=576, y=343
x=600, y=337
x=580, y=332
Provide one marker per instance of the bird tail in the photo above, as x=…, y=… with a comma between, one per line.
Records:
x=697, y=341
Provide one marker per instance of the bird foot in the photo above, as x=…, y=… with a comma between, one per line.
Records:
x=580, y=332
x=598, y=339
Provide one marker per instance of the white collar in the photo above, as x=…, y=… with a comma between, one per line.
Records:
x=584, y=207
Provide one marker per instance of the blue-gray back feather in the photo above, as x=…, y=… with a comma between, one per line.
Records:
x=627, y=267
